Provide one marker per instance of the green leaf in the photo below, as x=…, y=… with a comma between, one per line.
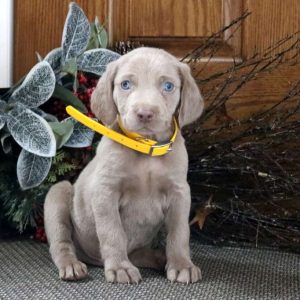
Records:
x=51, y=178
x=101, y=34
x=59, y=157
x=68, y=98
x=62, y=132
x=70, y=67
x=99, y=37
x=93, y=42
x=65, y=168
x=102, y=37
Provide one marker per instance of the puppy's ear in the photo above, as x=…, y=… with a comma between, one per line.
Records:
x=102, y=102
x=191, y=101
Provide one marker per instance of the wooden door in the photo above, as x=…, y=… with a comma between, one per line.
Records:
x=177, y=26
x=180, y=26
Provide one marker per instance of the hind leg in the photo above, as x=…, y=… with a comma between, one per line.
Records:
x=148, y=258
x=59, y=232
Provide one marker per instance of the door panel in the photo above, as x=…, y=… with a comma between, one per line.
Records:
x=175, y=25
x=180, y=18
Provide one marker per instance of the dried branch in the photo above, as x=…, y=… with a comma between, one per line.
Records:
x=251, y=166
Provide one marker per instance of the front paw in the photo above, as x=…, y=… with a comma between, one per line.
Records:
x=125, y=272
x=183, y=271
x=73, y=270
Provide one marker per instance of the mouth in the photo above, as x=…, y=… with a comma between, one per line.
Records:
x=155, y=130
x=137, y=126
x=145, y=131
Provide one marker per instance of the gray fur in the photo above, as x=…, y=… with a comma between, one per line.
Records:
x=122, y=198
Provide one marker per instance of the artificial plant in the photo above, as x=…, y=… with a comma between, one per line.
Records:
x=40, y=134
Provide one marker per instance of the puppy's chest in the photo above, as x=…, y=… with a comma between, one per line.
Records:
x=145, y=187
x=143, y=205
x=146, y=177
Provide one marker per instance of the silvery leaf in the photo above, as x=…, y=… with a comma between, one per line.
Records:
x=31, y=131
x=2, y=114
x=54, y=59
x=32, y=169
x=96, y=60
x=2, y=105
x=46, y=116
x=5, y=142
x=76, y=33
x=2, y=122
x=82, y=136
x=37, y=87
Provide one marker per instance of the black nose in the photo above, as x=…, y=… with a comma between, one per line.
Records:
x=145, y=115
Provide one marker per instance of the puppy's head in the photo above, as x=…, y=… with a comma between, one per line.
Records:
x=146, y=87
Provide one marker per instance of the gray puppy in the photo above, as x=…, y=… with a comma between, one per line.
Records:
x=110, y=216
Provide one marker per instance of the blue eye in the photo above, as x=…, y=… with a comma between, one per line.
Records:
x=125, y=85
x=168, y=86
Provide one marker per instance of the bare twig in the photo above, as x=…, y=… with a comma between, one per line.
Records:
x=251, y=166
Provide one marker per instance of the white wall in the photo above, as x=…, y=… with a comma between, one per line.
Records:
x=6, y=42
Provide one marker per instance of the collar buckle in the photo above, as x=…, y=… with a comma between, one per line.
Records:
x=170, y=144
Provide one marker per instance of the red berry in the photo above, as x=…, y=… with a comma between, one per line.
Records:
x=90, y=91
x=90, y=114
x=82, y=79
x=44, y=239
x=94, y=82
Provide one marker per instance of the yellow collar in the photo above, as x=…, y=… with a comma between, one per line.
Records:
x=131, y=140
